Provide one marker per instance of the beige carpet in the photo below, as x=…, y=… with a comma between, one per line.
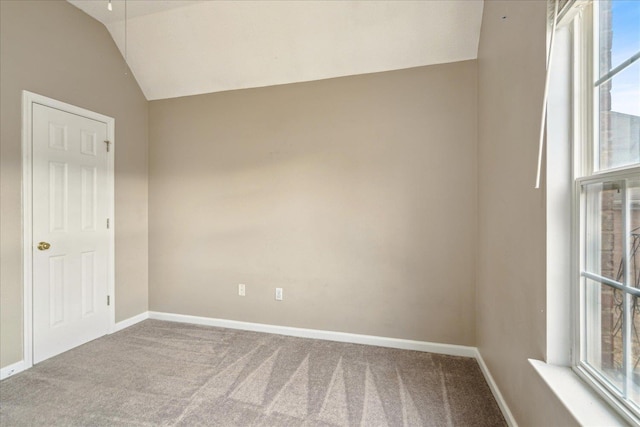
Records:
x=163, y=373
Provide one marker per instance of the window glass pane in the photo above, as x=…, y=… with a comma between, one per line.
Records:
x=634, y=232
x=634, y=281
x=619, y=100
x=619, y=36
x=604, y=228
x=634, y=392
x=604, y=331
x=625, y=93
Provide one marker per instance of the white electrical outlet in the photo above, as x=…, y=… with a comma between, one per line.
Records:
x=278, y=294
x=241, y=290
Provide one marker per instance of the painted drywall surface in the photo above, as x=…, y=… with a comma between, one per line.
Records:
x=280, y=42
x=511, y=281
x=53, y=49
x=356, y=195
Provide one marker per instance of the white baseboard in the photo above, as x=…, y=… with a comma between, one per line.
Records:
x=449, y=349
x=13, y=369
x=508, y=416
x=130, y=321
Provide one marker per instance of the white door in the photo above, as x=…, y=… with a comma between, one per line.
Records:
x=70, y=235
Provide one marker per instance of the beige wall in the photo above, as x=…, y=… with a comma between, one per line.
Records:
x=54, y=49
x=356, y=195
x=511, y=276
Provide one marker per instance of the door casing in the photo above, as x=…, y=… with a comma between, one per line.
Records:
x=28, y=99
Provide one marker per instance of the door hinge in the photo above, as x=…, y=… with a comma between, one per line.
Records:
x=108, y=143
x=108, y=300
x=107, y=223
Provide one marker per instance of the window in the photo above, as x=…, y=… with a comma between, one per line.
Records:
x=607, y=199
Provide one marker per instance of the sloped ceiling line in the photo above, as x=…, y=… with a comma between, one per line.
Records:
x=180, y=48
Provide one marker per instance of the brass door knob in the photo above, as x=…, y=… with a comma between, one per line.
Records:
x=43, y=246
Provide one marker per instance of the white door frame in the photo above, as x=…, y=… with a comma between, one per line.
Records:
x=28, y=99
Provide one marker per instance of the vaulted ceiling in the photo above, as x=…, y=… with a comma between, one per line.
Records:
x=180, y=48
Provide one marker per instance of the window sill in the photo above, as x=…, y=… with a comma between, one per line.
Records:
x=581, y=401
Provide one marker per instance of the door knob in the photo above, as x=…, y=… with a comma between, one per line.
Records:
x=43, y=246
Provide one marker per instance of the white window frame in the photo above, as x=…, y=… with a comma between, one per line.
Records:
x=585, y=131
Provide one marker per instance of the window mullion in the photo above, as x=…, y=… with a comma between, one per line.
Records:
x=591, y=70
x=608, y=76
